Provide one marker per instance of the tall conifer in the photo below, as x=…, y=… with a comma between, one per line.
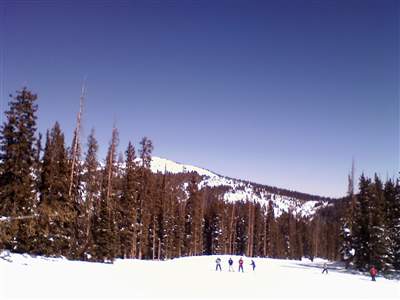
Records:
x=17, y=160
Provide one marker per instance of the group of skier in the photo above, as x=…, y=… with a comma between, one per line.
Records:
x=373, y=271
x=230, y=263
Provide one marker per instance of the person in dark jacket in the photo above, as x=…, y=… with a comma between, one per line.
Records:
x=241, y=265
x=253, y=264
x=325, y=269
x=230, y=262
x=373, y=271
x=218, y=262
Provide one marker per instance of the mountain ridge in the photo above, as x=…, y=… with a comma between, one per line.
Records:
x=284, y=200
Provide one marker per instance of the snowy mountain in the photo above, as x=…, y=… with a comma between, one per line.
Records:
x=237, y=190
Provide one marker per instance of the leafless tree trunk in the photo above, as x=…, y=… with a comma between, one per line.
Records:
x=77, y=135
x=250, y=230
x=154, y=237
x=159, y=249
x=265, y=237
x=232, y=230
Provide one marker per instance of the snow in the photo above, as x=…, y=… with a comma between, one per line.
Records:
x=159, y=164
x=189, y=277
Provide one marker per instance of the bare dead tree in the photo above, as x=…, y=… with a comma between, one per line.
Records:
x=77, y=137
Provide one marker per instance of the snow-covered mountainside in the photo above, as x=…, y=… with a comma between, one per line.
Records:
x=242, y=190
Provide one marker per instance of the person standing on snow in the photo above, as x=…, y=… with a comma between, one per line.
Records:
x=230, y=262
x=325, y=269
x=373, y=271
x=218, y=262
x=241, y=265
x=253, y=264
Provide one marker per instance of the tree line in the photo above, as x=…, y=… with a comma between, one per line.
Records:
x=62, y=201
x=370, y=227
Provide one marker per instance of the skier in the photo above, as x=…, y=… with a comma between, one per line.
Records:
x=218, y=262
x=241, y=265
x=230, y=262
x=373, y=271
x=253, y=264
x=325, y=269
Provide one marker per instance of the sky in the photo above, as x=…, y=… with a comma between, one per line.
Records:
x=284, y=93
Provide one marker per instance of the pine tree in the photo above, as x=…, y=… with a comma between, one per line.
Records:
x=378, y=243
x=17, y=164
x=128, y=223
x=270, y=232
x=241, y=229
x=144, y=199
x=258, y=230
x=190, y=208
x=346, y=233
x=91, y=183
x=57, y=211
x=169, y=219
x=231, y=227
x=75, y=193
x=214, y=226
x=396, y=228
x=392, y=212
x=105, y=227
x=361, y=229
x=293, y=245
x=250, y=229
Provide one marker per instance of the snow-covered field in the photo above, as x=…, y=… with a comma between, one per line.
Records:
x=192, y=277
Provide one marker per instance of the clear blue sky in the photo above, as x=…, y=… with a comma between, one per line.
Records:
x=283, y=93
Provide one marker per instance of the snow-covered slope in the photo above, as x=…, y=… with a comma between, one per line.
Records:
x=185, y=278
x=159, y=164
x=239, y=190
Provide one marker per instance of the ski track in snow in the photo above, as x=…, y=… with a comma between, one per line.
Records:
x=190, y=277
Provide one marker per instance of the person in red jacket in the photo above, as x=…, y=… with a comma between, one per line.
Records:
x=373, y=271
x=241, y=265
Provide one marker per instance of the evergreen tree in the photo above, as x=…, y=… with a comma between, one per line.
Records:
x=57, y=212
x=144, y=198
x=105, y=226
x=378, y=243
x=214, y=226
x=270, y=232
x=194, y=219
x=17, y=165
x=91, y=183
x=128, y=223
x=231, y=227
x=396, y=228
x=392, y=209
x=157, y=223
x=169, y=219
x=75, y=193
x=361, y=229
x=347, y=221
x=258, y=230
x=250, y=229
x=241, y=229
x=346, y=235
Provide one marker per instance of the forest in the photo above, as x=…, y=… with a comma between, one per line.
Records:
x=59, y=200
